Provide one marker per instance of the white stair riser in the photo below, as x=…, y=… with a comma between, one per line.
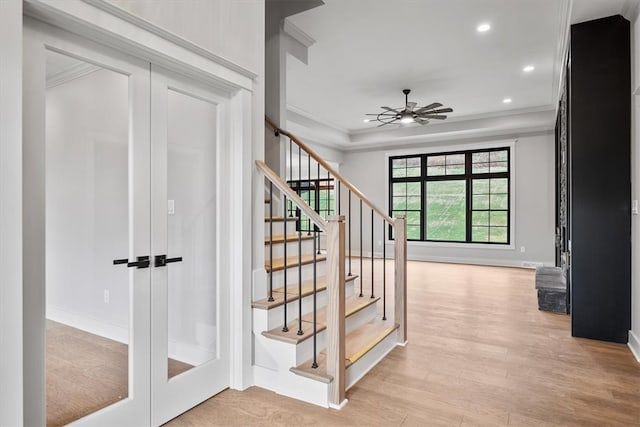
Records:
x=282, y=355
x=265, y=320
x=292, y=385
x=292, y=248
x=278, y=227
x=293, y=275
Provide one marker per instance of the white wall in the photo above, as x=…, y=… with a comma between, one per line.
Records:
x=11, y=384
x=634, y=334
x=231, y=29
x=87, y=202
x=534, y=205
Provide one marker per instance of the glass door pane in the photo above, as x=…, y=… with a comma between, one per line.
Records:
x=87, y=227
x=191, y=232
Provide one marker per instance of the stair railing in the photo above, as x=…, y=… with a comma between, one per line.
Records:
x=319, y=198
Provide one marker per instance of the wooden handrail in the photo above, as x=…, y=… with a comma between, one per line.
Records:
x=326, y=165
x=293, y=196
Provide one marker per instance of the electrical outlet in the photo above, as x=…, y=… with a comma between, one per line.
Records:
x=522, y=249
x=106, y=296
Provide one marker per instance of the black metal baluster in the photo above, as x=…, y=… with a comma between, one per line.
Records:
x=309, y=191
x=372, y=258
x=318, y=202
x=314, y=365
x=350, y=233
x=384, y=271
x=300, y=332
x=285, y=328
x=270, y=241
x=290, y=178
x=329, y=211
x=361, y=274
x=339, y=197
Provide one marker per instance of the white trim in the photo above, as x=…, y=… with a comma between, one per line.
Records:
x=296, y=33
x=101, y=22
x=511, y=144
x=167, y=35
x=478, y=261
x=73, y=73
x=88, y=324
x=340, y=405
x=11, y=284
x=634, y=345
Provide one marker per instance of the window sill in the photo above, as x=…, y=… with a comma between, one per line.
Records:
x=485, y=246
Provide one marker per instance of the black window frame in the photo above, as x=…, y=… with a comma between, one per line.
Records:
x=468, y=177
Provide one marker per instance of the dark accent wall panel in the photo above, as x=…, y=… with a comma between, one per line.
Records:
x=600, y=192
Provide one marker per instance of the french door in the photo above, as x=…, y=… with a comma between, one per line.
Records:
x=137, y=318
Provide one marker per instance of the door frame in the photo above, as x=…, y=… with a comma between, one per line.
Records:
x=101, y=22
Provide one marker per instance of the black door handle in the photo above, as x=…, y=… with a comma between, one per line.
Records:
x=141, y=262
x=162, y=260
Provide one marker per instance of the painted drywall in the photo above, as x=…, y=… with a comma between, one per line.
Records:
x=534, y=204
x=11, y=385
x=227, y=28
x=634, y=333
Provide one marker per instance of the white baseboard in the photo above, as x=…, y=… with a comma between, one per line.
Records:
x=88, y=324
x=634, y=345
x=187, y=353
x=461, y=260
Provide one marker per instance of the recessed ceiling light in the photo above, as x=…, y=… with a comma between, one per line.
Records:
x=483, y=28
x=507, y=100
x=528, y=68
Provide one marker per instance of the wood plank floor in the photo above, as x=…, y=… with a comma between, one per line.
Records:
x=86, y=372
x=479, y=354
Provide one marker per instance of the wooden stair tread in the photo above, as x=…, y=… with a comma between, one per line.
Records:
x=363, y=339
x=292, y=261
x=279, y=219
x=292, y=292
x=353, y=304
x=291, y=237
x=358, y=343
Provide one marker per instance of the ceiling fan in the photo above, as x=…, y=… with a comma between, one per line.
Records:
x=410, y=114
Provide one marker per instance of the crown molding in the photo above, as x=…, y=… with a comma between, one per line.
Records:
x=510, y=123
x=630, y=9
x=71, y=73
x=298, y=34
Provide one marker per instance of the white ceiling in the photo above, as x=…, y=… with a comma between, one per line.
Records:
x=367, y=51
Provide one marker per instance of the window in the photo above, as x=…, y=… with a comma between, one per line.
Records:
x=461, y=196
x=318, y=193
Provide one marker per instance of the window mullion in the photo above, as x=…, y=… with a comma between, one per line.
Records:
x=469, y=198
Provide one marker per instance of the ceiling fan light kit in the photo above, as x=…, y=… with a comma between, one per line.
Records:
x=409, y=113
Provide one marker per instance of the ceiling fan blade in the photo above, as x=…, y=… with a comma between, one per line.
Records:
x=390, y=109
x=411, y=106
x=433, y=116
x=381, y=114
x=422, y=122
x=387, y=123
x=428, y=107
x=442, y=110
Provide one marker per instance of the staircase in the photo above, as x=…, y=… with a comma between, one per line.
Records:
x=320, y=327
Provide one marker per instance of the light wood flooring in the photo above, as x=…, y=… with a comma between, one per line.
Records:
x=85, y=372
x=479, y=354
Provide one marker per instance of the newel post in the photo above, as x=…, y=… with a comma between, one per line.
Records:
x=336, y=310
x=400, y=252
